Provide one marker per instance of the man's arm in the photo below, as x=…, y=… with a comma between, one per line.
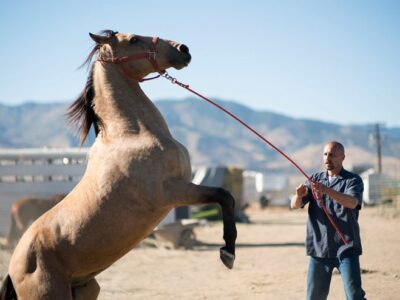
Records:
x=347, y=201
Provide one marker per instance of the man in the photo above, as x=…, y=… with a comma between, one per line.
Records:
x=340, y=192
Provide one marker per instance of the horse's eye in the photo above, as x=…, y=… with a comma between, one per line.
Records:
x=132, y=40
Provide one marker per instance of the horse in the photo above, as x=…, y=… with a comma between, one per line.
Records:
x=136, y=173
x=24, y=212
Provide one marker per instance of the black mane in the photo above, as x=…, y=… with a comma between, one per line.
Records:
x=81, y=112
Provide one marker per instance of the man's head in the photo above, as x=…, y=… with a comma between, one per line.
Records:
x=333, y=157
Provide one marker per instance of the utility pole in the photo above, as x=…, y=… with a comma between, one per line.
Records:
x=378, y=139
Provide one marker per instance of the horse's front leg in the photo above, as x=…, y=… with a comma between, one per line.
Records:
x=185, y=193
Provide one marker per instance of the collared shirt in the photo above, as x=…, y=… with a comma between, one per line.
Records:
x=322, y=239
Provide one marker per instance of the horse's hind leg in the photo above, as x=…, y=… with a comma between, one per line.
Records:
x=88, y=291
x=41, y=285
x=183, y=193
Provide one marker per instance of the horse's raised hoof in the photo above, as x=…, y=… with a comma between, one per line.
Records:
x=227, y=258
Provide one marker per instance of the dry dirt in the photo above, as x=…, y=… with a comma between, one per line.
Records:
x=270, y=264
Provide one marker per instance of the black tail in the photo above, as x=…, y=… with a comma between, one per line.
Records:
x=7, y=291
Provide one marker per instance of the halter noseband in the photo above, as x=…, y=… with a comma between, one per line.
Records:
x=150, y=55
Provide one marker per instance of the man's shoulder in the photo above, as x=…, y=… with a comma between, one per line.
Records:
x=349, y=175
x=344, y=174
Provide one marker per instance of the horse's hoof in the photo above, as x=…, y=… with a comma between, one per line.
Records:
x=227, y=258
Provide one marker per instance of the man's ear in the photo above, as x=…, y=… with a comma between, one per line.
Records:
x=100, y=39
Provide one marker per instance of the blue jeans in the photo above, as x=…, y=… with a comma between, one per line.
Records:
x=320, y=274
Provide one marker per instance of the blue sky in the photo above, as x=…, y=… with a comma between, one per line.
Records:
x=336, y=61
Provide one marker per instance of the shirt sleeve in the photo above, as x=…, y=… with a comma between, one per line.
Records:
x=355, y=188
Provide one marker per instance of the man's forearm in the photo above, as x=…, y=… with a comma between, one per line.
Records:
x=343, y=199
x=296, y=202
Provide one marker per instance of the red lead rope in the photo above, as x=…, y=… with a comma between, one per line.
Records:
x=316, y=196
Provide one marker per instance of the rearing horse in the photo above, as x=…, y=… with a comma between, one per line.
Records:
x=136, y=173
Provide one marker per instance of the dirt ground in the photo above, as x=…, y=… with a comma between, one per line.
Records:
x=270, y=262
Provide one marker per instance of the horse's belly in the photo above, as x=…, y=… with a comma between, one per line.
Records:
x=101, y=241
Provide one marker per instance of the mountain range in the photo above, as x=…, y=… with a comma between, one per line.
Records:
x=213, y=138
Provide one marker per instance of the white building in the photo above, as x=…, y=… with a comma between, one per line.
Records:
x=373, y=186
x=274, y=186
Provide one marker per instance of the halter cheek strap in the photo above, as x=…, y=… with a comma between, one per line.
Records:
x=150, y=55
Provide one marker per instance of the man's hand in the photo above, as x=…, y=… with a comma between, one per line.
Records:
x=319, y=189
x=301, y=191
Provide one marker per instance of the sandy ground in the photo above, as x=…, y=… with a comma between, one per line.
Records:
x=270, y=263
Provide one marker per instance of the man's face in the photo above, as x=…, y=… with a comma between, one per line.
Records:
x=333, y=158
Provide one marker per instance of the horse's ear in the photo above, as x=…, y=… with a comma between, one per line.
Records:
x=99, y=39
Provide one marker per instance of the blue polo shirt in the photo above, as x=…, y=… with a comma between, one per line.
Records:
x=322, y=239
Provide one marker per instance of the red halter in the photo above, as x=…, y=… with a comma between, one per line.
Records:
x=149, y=55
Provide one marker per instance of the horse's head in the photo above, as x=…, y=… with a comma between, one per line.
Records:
x=136, y=56
x=140, y=55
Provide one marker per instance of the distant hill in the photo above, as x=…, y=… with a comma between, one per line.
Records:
x=212, y=137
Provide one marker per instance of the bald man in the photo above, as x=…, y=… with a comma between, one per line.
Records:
x=341, y=193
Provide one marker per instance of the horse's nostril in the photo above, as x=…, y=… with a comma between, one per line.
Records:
x=183, y=48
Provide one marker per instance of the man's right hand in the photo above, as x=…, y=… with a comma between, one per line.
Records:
x=296, y=201
x=301, y=190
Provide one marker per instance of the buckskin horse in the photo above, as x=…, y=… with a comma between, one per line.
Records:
x=136, y=173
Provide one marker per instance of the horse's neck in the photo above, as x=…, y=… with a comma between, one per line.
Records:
x=123, y=107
